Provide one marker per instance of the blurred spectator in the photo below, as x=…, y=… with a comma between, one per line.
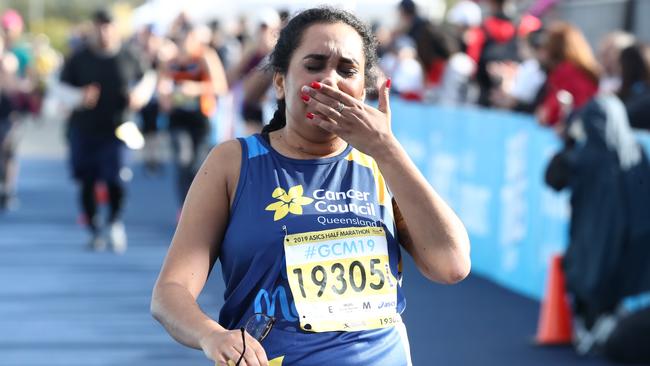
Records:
x=384, y=38
x=8, y=140
x=241, y=30
x=609, y=53
x=635, y=84
x=285, y=16
x=435, y=47
x=12, y=26
x=454, y=86
x=23, y=98
x=228, y=48
x=466, y=14
x=494, y=41
x=46, y=62
x=46, y=59
x=78, y=37
x=522, y=93
x=180, y=25
x=147, y=47
x=189, y=85
x=409, y=22
x=466, y=17
x=256, y=81
x=606, y=262
x=103, y=76
x=572, y=68
x=402, y=66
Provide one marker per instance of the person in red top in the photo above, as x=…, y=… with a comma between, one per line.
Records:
x=496, y=40
x=572, y=68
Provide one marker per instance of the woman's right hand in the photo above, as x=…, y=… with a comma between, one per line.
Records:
x=225, y=348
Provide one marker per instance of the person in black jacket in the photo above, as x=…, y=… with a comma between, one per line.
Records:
x=105, y=74
x=607, y=261
x=635, y=84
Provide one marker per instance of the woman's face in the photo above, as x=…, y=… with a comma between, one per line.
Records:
x=331, y=54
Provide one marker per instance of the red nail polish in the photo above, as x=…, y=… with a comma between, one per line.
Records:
x=315, y=85
x=388, y=83
x=310, y=115
x=305, y=97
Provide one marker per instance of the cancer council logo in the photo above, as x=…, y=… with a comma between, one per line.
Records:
x=291, y=201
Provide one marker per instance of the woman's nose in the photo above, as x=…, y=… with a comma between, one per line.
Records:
x=331, y=78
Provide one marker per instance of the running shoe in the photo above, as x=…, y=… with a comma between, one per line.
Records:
x=117, y=237
x=97, y=243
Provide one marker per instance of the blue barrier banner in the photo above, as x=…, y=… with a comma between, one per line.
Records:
x=489, y=167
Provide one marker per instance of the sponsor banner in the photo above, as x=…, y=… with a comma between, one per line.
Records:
x=489, y=166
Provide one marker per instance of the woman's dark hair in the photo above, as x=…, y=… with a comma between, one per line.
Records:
x=291, y=36
x=635, y=68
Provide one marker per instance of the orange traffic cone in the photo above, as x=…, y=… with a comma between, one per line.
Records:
x=555, y=320
x=101, y=193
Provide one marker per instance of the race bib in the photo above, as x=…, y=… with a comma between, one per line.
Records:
x=341, y=279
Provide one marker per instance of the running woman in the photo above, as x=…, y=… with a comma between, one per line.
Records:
x=308, y=218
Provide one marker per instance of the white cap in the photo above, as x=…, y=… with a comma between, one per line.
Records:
x=465, y=12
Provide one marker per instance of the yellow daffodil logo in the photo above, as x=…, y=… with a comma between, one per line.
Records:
x=288, y=202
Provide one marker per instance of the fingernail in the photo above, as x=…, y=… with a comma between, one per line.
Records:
x=310, y=115
x=305, y=89
x=388, y=83
x=315, y=85
x=305, y=97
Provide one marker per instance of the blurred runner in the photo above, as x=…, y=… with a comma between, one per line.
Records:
x=104, y=75
x=255, y=81
x=147, y=45
x=189, y=84
x=8, y=73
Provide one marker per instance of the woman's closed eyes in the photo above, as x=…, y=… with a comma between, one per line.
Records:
x=317, y=62
x=344, y=70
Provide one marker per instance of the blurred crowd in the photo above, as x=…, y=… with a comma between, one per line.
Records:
x=188, y=79
x=486, y=53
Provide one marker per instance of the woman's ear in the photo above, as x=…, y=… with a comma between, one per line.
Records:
x=278, y=85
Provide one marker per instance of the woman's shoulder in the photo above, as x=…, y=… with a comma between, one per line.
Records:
x=225, y=159
x=226, y=153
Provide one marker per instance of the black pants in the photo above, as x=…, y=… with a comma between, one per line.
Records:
x=189, y=132
x=8, y=143
x=630, y=340
x=116, y=194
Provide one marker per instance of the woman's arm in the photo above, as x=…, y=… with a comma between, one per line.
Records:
x=429, y=230
x=194, y=250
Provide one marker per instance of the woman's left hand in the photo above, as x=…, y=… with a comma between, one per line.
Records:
x=362, y=126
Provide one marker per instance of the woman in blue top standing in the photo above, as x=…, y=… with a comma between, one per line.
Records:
x=308, y=217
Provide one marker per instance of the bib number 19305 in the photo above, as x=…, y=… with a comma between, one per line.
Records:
x=341, y=279
x=354, y=277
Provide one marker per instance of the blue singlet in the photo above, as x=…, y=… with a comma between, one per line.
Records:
x=278, y=197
